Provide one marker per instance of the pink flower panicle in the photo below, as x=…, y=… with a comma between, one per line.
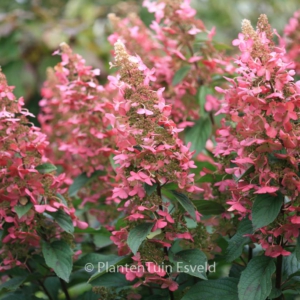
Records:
x=263, y=104
x=292, y=40
x=22, y=185
x=149, y=155
x=77, y=117
x=168, y=48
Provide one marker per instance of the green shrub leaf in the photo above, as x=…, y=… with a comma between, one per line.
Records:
x=265, y=209
x=256, y=282
x=58, y=256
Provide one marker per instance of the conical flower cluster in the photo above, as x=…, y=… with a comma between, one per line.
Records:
x=259, y=140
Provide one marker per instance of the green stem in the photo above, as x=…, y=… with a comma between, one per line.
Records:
x=65, y=289
x=41, y=284
x=278, y=275
x=250, y=253
x=158, y=189
x=279, y=269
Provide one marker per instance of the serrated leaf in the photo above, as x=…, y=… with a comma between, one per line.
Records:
x=46, y=168
x=13, y=283
x=180, y=74
x=236, y=270
x=207, y=207
x=102, y=238
x=237, y=242
x=137, y=235
x=186, y=203
x=100, y=263
x=53, y=286
x=58, y=256
x=191, y=261
x=81, y=181
x=223, y=288
x=150, y=188
x=290, y=266
x=96, y=258
x=198, y=134
x=62, y=198
x=63, y=220
x=109, y=262
x=256, y=282
x=265, y=209
x=109, y=280
x=22, y=210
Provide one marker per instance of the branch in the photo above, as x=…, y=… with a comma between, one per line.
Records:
x=65, y=289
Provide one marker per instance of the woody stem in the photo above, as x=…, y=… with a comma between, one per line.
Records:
x=279, y=269
x=158, y=190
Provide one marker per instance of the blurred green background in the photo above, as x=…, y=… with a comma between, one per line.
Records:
x=30, y=30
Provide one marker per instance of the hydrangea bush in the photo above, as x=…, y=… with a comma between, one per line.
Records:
x=177, y=178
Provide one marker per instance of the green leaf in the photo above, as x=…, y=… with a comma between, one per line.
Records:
x=120, y=224
x=13, y=284
x=20, y=295
x=63, y=220
x=207, y=207
x=90, y=295
x=99, y=263
x=81, y=181
x=112, y=162
x=109, y=263
x=223, y=288
x=170, y=186
x=256, y=282
x=248, y=172
x=213, y=178
x=191, y=261
x=53, y=286
x=275, y=293
x=62, y=198
x=137, y=235
x=58, y=256
x=87, y=230
x=113, y=279
x=150, y=188
x=204, y=164
x=202, y=93
x=199, y=134
x=180, y=74
x=102, y=238
x=96, y=258
x=290, y=266
x=46, y=168
x=186, y=203
x=265, y=209
x=10, y=49
x=236, y=270
x=291, y=273
x=237, y=242
x=22, y=210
